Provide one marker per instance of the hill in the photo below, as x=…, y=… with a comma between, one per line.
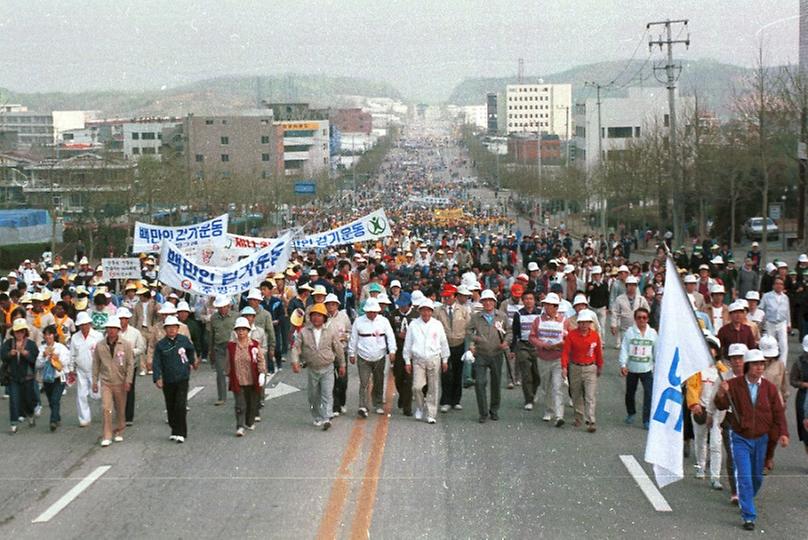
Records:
x=715, y=82
x=219, y=95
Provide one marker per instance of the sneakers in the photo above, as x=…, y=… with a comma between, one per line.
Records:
x=699, y=473
x=149, y=372
x=547, y=417
x=335, y=414
x=218, y=402
x=591, y=428
x=326, y=425
x=13, y=430
x=494, y=416
x=716, y=484
x=53, y=426
x=251, y=428
x=379, y=410
x=240, y=432
x=32, y=421
x=142, y=372
x=528, y=406
x=431, y=420
x=559, y=422
x=363, y=412
x=343, y=409
x=38, y=411
x=118, y=438
x=257, y=418
x=646, y=426
x=105, y=443
x=749, y=525
x=510, y=386
x=458, y=407
x=733, y=500
x=444, y=408
x=629, y=419
x=419, y=414
x=172, y=438
x=318, y=423
x=180, y=439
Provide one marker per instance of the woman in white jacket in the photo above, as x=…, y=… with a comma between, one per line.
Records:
x=52, y=364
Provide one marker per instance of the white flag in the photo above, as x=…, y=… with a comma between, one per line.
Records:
x=681, y=351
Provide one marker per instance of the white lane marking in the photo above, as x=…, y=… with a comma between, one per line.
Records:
x=648, y=488
x=194, y=391
x=280, y=389
x=68, y=497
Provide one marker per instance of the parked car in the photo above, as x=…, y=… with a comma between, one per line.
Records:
x=753, y=229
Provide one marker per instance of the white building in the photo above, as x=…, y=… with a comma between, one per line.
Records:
x=475, y=115
x=145, y=137
x=622, y=120
x=69, y=120
x=306, y=150
x=542, y=108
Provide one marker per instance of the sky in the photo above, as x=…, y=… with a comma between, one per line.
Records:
x=423, y=48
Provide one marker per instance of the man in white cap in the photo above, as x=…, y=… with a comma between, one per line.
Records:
x=623, y=310
x=174, y=357
x=219, y=330
x=717, y=311
x=372, y=340
x=144, y=317
x=597, y=292
x=736, y=331
x=547, y=336
x=426, y=348
x=113, y=369
x=263, y=320
x=82, y=346
x=132, y=336
x=777, y=323
x=755, y=315
x=618, y=285
x=691, y=287
x=582, y=364
x=637, y=364
x=339, y=321
x=489, y=332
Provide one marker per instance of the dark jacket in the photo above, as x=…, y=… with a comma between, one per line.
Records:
x=751, y=422
x=168, y=364
x=20, y=368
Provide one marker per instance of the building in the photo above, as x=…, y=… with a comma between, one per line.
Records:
x=622, y=119
x=492, y=114
x=32, y=128
x=475, y=115
x=803, y=36
x=306, y=147
x=353, y=120
x=524, y=149
x=533, y=108
x=69, y=120
x=230, y=146
x=144, y=137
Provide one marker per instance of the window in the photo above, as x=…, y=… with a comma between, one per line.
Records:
x=264, y=139
x=148, y=150
x=666, y=120
x=224, y=122
x=208, y=122
x=264, y=122
x=264, y=157
x=135, y=135
x=200, y=158
x=637, y=132
x=135, y=150
x=619, y=132
x=225, y=157
x=225, y=140
x=148, y=136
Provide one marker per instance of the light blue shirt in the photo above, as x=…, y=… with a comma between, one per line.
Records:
x=753, y=390
x=776, y=307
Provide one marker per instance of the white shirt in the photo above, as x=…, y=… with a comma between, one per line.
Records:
x=81, y=350
x=425, y=340
x=776, y=307
x=372, y=340
x=133, y=336
x=317, y=333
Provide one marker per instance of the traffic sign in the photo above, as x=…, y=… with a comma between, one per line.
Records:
x=775, y=211
x=305, y=188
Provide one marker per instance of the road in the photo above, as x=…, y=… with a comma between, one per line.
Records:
x=384, y=477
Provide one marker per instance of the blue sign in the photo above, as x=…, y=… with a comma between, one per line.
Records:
x=305, y=188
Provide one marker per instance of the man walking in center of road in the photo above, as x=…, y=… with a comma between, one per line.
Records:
x=113, y=368
x=547, y=336
x=427, y=348
x=454, y=318
x=174, y=356
x=637, y=365
x=582, y=357
x=372, y=340
x=219, y=332
x=490, y=335
x=623, y=310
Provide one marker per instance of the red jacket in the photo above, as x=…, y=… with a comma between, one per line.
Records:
x=582, y=349
x=254, y=350
x=751, y=422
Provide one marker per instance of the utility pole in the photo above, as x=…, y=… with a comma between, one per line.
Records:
x=677, y=209
x=603, y=201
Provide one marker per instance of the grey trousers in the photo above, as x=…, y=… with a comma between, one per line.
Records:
x=221, y=369
x=584, y=387
x=246, y=406
x=321, y=393
x=527, y=360
x=371, y=371
x=482, y=367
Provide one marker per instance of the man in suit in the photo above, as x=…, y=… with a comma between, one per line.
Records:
x=144, y=317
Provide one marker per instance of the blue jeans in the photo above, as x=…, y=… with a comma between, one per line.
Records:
x=748, y=456
x=20, y=400
x=54, y=392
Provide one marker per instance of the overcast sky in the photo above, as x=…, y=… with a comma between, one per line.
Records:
x=423, y=47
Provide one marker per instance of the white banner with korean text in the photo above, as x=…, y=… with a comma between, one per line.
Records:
x=191, y=239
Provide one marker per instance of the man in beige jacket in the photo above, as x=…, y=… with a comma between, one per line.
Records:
x=113, y=367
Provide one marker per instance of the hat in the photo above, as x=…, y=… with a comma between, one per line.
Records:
x=736, y=306
x=221, y=301
x=569, y=269
x=247, y=310
x=551, y=298
x=517, y=290
x=622, y=268
x=580, y=299
x=113, y=322
x=596, y=270
x=171, y=320
x=803, y=258
x=462, y=289
x=448, y=290
x=305, y=287
x=770, y=267
x=83, y=318
x=383, y=299
x=279, y=275
x=704, y=267
x=375, y=287
x=522, y=277
x=753, y=355
x=717, y=289
x=313, y=273
x=123, y=313
x=241, y=322
x=782, y=264
x=404, y=299
x=737, y=349
x=318, y=308
x=768, y=346
x=12, y=275
x=130, y=287
x=753, y=295
x=586, y=315
x=474, y=286
x=182, y=305
x=690, y=278
x=19, y=324
x=395, y=283
x=631, y=280
x=428, y=303
x=254, y=294
x=297, y=318
x=717, y=260
x=331, y=298
x=167, y=309
x=372, y=306
x=319, y=289
x=712, y=340
x=140, y=291
x=81, y=304
x=84, y=261
x=532, y=266
x=37, y=297
x=805, y=343
x=488, y=294
x=417, y=297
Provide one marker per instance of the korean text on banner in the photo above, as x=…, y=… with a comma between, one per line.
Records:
x=234, y=248
x=371, y=227
x=121, y=268
x=189, y=238
x=182, y=272
x=681, y=351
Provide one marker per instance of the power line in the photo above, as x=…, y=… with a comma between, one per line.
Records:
x=631, y=59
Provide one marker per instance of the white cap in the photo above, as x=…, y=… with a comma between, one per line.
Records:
x=532, y=266
x=254, y=294
x=622, y=268
x=124, y=313
x=805, y=343
x=712, y=339
x=221, y=301
x=782, y=264
x=569, y=269
x=735, y=306
x=586, y=315
x=753, y=295
x=417, y=297
x=596, y=269
x=182, y=305
x=167, y=309
x=717, y=260
x=83, y=261
x=171, y=320
x=319, y=289
x=383, y=299
x=474, y=286
x=428, y=303
x=83, y=318
x=803, y=258
x=737, y=349
x=690, y=278
x=755, y=244
x=488, y=294
x=372, y=305
x=551, y=298
x=717, y=289
x=744, y=304
x=753, y=355
x=462, y=289
x=631, y=280
x=331, y=298
x=113, y=322
x=395, y=283
x=242, y=322
x=247, y=310
x=770, y=267
x=704, y=267
x=768, y=346
x=579, y=299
